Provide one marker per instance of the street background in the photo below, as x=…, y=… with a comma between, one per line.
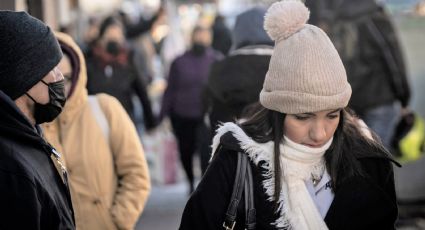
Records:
x=169, y=188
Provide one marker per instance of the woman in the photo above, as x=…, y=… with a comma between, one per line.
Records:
x=107, y=170
x=182, y=100
x=314, y=166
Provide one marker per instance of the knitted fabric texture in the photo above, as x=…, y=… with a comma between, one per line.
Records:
x=299, y=163
x=305, y=73
x=28, y=52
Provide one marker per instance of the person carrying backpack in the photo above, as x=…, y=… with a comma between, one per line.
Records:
x=107, y=170
x=366, y=40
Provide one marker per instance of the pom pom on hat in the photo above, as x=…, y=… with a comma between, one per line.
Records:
x=305, y=72
x=285, y=18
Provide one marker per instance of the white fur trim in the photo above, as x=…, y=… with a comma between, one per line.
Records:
x=285, y=18
x=258, y=152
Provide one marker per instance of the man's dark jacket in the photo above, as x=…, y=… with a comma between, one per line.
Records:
x=32, y=192
x=235, y=83
x=376, y=69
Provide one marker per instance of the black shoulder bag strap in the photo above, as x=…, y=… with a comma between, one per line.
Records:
x=243, y=180
x=250, y=212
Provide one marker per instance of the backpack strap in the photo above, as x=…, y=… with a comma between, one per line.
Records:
x=250, y=213
x=243, y=180
x=99, y=115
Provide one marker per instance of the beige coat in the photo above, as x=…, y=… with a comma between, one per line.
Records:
x=109, y=179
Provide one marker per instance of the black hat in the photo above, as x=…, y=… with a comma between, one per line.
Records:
x=28, y=52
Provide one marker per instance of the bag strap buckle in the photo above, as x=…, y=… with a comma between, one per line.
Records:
x=225, y=226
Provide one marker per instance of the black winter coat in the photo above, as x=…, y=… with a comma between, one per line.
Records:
x=235, y=82
x=32, y=192
x=122, y=82
x=375, y=68
x=359, y=203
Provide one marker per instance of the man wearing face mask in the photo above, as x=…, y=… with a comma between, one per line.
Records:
x=182, y=99
x=33, y=180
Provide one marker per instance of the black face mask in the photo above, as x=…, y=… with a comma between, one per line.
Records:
x=198, y=48
x=49, y=111
x=113, y=47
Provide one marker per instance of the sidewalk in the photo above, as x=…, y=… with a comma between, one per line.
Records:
x=164, y=208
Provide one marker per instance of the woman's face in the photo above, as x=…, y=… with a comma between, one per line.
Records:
x=312, y=129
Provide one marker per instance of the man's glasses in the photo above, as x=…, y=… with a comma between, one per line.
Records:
x=57, y=74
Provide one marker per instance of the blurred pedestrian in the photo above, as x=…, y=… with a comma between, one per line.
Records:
x=108, y=173
x=111, y=69
x=221, y=40
x=138, y=36
x=236, y=81
x=182, y=98
x=313, y=165
x=34, y=191
x=90, y=34
x=366, y=40
x=133, y=30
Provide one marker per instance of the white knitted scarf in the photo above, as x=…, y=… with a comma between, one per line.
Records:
x=299, y=164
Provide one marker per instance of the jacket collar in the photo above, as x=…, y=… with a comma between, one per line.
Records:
x=231, y=136
x=15, y=125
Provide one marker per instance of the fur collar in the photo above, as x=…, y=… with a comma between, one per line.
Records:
x=257, y=152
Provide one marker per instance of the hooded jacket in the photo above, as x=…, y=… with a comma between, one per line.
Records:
x=108, y=176
x=32, y=190
x=360, y=202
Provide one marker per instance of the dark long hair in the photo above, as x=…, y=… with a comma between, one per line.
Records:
x=264, y=125
x=349, y=143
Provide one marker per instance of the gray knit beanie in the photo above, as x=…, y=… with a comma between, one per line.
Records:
x=28, y=52
x=305, y=73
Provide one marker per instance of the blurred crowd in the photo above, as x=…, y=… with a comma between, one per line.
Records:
x=128, y=80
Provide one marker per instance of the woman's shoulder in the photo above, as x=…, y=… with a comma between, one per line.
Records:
x=379, y=169
x=225, y=137
x=375, y=162
x=227, y=148
x=108, y=102
x=231, y=137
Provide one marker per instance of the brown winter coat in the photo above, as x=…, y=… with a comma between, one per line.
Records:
x=109, y=179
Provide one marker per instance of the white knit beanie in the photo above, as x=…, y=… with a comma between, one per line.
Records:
x=305, y=73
